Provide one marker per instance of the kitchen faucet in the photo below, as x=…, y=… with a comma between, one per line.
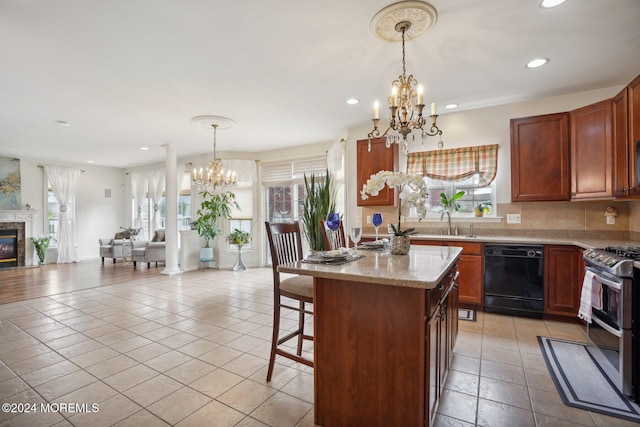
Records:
x=448, y=221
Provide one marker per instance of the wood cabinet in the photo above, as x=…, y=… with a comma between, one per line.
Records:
x=564, y=271
x=626, y=140
x=470, y=265
x=371, y=161
x=622, y=175
x=381, y=352
x=442, y=331
x=591, y=151
x=540, y=158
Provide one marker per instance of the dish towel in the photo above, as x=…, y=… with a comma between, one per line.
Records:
x=591, y=293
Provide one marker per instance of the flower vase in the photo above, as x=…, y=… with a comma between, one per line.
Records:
x=400, y=245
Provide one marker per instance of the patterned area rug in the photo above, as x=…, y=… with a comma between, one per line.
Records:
x=582, y=382
x=467, y=314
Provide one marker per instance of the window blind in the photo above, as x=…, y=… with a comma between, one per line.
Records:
x=294, y=169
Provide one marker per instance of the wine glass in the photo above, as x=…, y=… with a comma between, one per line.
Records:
x=356, y=234
x=376, y=220
x=332, y=223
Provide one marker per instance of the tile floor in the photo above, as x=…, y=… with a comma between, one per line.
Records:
x=192, y=350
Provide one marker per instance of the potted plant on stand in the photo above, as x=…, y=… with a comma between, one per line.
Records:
x=41, y=243
x=214, y=206
x=413, y=192
x=318, y=203
x=240, y=238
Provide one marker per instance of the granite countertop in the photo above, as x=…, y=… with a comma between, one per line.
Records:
x=584, y=243
x=424, y=267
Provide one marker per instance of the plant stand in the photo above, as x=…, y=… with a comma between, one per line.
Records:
x=206, y=258
x=239, y=265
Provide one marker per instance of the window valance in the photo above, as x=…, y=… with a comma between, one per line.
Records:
x=456, y=164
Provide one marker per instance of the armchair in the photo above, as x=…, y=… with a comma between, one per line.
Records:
x=153, y=251
x=113, y=248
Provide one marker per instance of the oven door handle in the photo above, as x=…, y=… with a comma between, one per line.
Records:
x=604, y=280
x=616, y=332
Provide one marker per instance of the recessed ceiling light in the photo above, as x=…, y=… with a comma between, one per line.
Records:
x=144, y=148
x=89, y=161
x=538, y=62
x=548, y=4
x=353, y=101
x=63, y=123
x=451, y=106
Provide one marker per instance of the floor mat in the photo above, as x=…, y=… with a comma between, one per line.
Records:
x=582, y=382
x=467, y=314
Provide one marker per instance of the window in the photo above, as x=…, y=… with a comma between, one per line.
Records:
x=284, y=191
x=468, y=169
x=184, y=209
x=53, y=214
x=242, y=218
x=474, y=195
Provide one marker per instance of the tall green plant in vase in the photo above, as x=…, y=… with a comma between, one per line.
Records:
x=318, y=203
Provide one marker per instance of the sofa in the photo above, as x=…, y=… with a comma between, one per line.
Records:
x=148, y=252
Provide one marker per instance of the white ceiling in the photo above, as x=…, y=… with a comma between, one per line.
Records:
x=132, y=73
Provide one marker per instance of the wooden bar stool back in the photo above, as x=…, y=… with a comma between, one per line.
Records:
x=285, y=244
x=333, y=239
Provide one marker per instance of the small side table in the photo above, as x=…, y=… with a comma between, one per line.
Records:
x=239, y=265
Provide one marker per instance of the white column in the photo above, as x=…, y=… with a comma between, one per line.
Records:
x=171, y=220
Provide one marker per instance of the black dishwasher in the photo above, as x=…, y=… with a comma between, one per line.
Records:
x=514, y=279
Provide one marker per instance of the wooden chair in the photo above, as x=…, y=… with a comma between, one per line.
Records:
x=285, y=243
x=333, y=240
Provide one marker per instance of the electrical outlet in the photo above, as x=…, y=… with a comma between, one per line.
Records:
x=514, y=218
x=368, y=219
x=611, y=220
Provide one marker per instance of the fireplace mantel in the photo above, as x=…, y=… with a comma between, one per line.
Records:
x=26, y=215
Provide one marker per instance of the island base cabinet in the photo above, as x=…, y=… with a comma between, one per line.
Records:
x=380, y=360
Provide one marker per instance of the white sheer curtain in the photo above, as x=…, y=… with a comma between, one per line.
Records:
x=63, y=183
x=138, y=190
x=156, y=187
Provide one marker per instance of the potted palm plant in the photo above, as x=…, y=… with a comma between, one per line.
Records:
x=214, y=206
x=318, y=203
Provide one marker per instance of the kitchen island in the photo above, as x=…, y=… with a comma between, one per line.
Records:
x=384, y=329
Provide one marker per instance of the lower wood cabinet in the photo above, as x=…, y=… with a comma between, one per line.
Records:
x=382, y=352
x=470, y=266
x=441, y=335
x=564, y=271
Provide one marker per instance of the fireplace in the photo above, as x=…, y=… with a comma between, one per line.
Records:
x=8, y=248
x=20, y=224
x=12, y=244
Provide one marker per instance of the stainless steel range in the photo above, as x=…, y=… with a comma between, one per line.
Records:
x=614, y=332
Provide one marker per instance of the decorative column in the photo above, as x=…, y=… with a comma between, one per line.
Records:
x=171, y=220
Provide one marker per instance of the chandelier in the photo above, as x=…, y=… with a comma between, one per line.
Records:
x=406, y=103
x=214, y=178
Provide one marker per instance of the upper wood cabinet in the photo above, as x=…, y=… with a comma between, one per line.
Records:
x=626, y=140
x=622, y=172
x=540, y=158
x=591, y=151
x=369, y=162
